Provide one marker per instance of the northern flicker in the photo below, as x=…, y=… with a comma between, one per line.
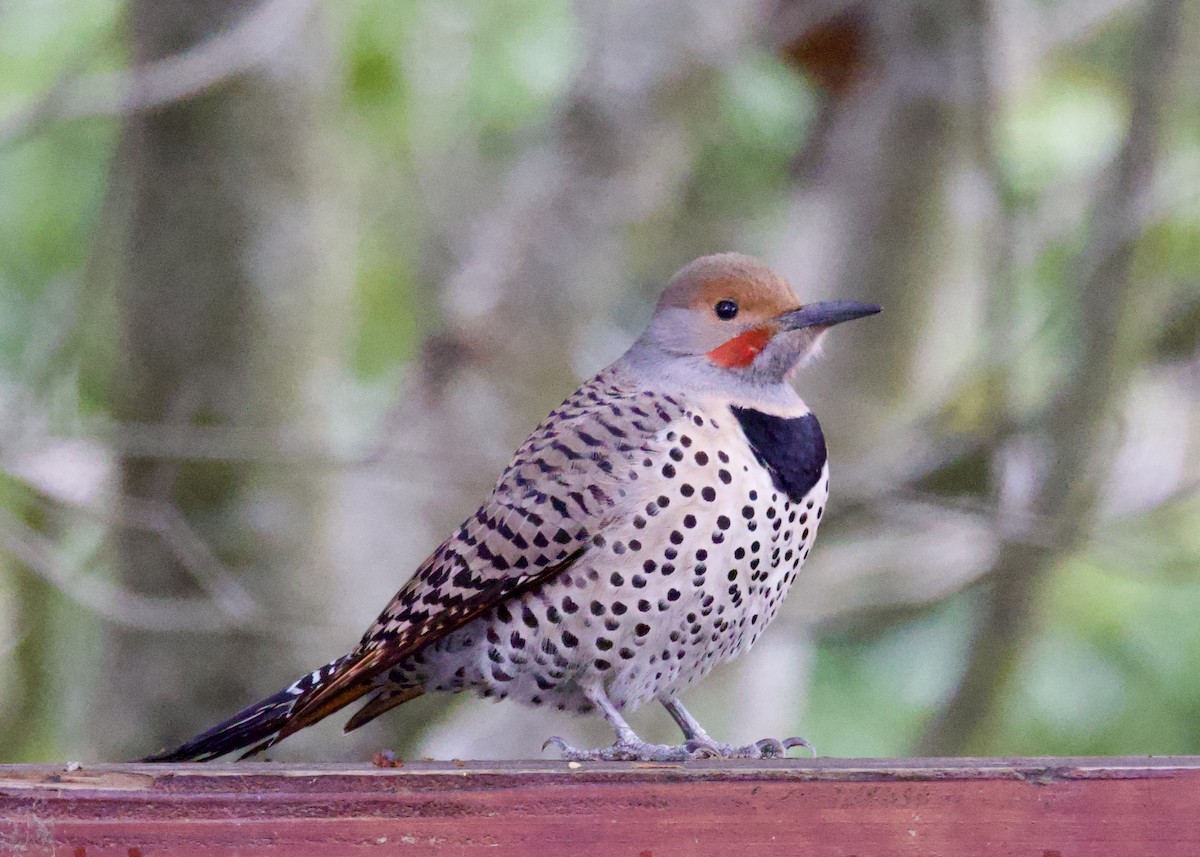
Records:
x=646, y=531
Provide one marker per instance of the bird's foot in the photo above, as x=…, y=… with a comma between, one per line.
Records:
x=622, y=751
x=641, y=751
x=767, y=748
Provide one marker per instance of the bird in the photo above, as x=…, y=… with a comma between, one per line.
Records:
x=647, y=530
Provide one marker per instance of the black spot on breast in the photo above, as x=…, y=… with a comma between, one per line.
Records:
x=792, y=449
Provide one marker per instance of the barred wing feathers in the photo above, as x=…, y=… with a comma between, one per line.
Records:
x=564, y=485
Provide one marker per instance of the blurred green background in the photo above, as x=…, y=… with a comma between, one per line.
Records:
x=283, y=283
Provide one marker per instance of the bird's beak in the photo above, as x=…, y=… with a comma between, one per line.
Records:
x=824, y=314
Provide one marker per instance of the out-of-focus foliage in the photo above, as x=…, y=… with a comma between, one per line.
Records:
x=449, y=139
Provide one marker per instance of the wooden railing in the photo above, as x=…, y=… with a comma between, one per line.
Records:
x=1052, y=807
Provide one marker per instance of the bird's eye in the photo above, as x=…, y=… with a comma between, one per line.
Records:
x=725, y=309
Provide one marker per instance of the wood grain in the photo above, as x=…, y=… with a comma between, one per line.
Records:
x=820, y=808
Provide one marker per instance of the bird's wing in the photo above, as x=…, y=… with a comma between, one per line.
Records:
x=564, y=485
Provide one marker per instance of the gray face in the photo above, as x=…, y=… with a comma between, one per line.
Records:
x=729, y=320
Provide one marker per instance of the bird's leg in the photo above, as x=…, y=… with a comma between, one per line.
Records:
x=691, y=728
x=628, y=748
x=701, y=745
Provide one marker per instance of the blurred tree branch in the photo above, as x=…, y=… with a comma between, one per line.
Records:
x=1062, y=462
x=40, y=555
x=250, y=43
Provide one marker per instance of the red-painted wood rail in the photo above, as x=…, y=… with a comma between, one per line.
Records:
x=1050, y=807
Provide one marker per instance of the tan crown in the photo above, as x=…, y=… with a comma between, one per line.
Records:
x=759, y=292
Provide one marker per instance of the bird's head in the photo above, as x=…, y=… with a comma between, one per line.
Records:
x=732, y=314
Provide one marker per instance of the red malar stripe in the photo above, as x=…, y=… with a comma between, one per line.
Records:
x=739, y=352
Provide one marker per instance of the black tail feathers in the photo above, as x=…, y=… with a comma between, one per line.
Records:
x=255, y=727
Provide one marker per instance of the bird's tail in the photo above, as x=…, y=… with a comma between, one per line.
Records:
x=256, y=727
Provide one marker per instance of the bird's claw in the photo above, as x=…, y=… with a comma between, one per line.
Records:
x=767, y=748
x=621, y=751
x=702, y=749
x=796, y=741
x=770, y=748
x=773, y=748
